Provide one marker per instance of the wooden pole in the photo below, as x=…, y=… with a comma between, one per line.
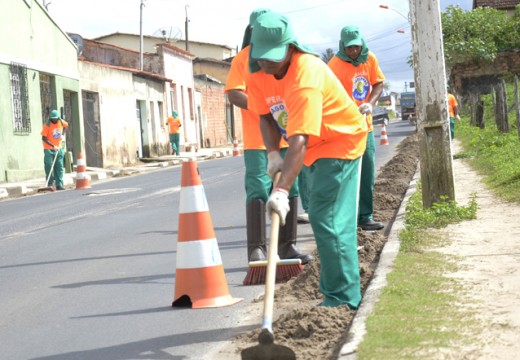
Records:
x=432, y=102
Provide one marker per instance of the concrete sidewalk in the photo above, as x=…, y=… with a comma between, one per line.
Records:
x=488, y=253
x=30, y=187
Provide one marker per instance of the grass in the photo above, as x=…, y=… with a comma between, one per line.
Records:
x=417, y=314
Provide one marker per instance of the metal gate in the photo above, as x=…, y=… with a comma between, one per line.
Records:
x=93, y=148
x=45, y=95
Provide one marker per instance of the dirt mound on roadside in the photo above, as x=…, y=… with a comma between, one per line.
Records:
x=319, y=332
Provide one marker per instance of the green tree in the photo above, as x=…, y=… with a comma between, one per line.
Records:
x=327, y=55
x=478, y=34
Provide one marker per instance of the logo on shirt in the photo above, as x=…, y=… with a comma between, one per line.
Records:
x=280, y=115
x=56, y=133
x=361, y=86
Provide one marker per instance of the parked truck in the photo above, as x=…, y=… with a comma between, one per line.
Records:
x=408, y=106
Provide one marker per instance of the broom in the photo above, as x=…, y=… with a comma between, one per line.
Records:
x=285, y=269
x=49, y=188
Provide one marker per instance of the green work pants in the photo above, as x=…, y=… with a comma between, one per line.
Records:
x=174, y=140
x=333, y=205
x=304, y=187
x=368, y=178
x=56, y=171
x=452, y=128
x=257, y=182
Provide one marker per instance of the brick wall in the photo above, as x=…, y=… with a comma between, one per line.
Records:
x=507, y=62
x=214, y=112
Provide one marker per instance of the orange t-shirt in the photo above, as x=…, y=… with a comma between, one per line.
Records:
x=358, y=80
x=310, y=100
x=452, y=102
x=237, y=80
x=174, y=124
x=54, y=133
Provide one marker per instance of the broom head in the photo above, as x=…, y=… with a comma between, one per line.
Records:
x=285, y=270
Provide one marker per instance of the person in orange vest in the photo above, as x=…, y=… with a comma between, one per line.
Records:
x=298, y=97
x=260, y=166
x=174, y=123
x=52, y=135
x=358, y=70
x=453, y=109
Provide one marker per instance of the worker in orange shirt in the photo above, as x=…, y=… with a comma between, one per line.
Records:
x=358, y=70
x=260, y=166
x=52, y=136
x=299, y=98
x=174, y=123
x=453, y=109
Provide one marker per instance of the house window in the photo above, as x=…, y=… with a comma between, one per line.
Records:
x=20, y=97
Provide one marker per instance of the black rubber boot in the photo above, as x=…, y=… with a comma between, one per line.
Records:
x=287, y=236
x=255, y=220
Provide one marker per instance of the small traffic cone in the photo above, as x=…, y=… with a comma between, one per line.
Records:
x=236, y=151
x=82, y=179
x=384, y=137
x=199, y=277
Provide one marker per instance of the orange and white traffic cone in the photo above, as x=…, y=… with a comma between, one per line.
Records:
x=236, y=151
x=384, y=137
x=82, y=179
x=199, y=276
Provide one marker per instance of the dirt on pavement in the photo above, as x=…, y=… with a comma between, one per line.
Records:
x=489, y=271
x=319, y=332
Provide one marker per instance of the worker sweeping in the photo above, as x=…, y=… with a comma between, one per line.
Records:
x=298, y=97
x=52, y=136
x=260, y=165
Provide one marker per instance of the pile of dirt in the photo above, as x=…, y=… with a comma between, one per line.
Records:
x=314, y=332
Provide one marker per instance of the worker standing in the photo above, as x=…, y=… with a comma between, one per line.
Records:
x=358, y=70
x=299, y=98
x=259, y=165
x=52, y=136
x=453, y=109
x=174, y=123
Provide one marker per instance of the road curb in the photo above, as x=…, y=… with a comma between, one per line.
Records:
x=358, y=328
x=97, y=174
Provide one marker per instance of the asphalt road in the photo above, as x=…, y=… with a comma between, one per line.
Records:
x=90, y=274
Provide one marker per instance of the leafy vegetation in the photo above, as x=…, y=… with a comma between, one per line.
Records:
x=418, y=219
x=416, y=312
x=496, y=156
x=479, y=34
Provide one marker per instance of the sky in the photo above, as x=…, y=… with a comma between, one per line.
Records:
x=317, y=23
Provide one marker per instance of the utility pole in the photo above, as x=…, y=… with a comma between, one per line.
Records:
x=431, y=102
x=405, y=86
x=186, y=28
x=141, y=36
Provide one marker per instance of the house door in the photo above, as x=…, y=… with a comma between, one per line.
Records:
x=93, y=149
x=66, y=113
x=139, y=127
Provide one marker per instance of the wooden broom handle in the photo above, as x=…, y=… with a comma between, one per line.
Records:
x=270, y=279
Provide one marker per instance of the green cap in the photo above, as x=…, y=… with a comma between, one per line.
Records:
x=175, y=114
x=252, y=19
x=54, y=114
x=271, y=38
x=350, y=36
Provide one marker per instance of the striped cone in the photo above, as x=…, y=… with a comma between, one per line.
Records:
x=82, y=179
x=236, y=151
x=384, y=137
x=199, y=277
